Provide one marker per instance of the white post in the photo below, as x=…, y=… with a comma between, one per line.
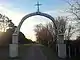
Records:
x=75, y=52
x=13, y=48
x=69, y=52
x=61, y=46
x=79, y=49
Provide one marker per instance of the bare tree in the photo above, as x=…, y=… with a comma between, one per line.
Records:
x=5, y=23
x=74, y=8
x=47, y=32
x=70, y=30
x=61, y=24
x=44, y=34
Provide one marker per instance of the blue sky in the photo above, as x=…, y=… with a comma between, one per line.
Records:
x=16, y=9
x=28, y=5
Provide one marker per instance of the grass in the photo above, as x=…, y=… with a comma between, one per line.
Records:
x=22, y=48
x=46, y=51
x=49, y=53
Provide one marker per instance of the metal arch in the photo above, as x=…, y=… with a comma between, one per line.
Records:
x=33, y=14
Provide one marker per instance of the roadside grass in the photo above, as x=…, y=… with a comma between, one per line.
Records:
x=49, y=53
x=23, y=48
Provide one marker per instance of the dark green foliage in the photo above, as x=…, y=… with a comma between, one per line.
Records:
x=23, y=40
x=6, y=38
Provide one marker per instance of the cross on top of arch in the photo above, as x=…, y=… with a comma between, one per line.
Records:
x=38, y=6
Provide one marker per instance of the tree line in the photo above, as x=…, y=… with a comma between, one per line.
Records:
x=7, y=28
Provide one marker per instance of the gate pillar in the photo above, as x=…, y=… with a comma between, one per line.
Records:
x=13, y=48
x=61, y=46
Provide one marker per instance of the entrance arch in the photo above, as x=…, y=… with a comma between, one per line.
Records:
x=17, y=30
x=33, y=14
x=14, y=45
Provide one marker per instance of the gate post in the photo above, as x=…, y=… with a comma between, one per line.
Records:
x=61, y=46
x=13, y=48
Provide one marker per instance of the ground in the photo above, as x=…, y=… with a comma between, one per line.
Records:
x=36, y=52
x=30, y=52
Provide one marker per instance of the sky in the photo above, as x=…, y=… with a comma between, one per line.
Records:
x=17, y=9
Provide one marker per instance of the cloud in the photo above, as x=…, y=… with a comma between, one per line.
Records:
x=56, y=13
x=15, y=14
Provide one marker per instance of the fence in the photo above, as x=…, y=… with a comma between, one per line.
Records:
x=72, y=48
